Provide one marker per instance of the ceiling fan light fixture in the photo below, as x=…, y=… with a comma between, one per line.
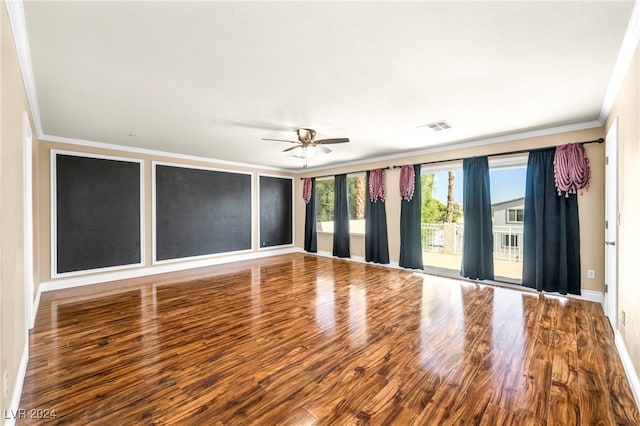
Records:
x=303, y=152
x=306, y=146
x=309, y=151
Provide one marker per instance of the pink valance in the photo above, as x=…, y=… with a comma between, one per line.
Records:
x=571, y=168
x=306, y=190
x=407, y=182
x=376, y=185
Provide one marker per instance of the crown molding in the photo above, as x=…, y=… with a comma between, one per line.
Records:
x=171, y=155
x=460, y=145
x=625, y=55
x=435, y=149
x=15, y=10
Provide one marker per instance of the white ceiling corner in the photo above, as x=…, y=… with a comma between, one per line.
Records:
x=15, y=11
x=625, y=55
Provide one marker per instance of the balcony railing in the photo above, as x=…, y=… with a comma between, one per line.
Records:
x=448, y=238
x=433, y=237
x=507, y=243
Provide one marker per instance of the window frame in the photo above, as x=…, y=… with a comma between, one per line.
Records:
x=332, y=178
x=515, y=210
x=315, y=195
x=355, y=175
x=510, y=239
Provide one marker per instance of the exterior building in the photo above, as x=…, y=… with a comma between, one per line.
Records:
x=508, y=213
x=508, y=222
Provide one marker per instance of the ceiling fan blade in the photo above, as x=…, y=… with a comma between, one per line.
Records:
x=330, y=141
x=323, y=149
x=292, y=148
x=278, y=140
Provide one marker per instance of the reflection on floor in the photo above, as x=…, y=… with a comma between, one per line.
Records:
x=300, y=339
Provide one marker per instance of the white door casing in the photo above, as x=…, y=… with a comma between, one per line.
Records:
x=611, y=225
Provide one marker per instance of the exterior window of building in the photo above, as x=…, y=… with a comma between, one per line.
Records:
x=510, y=240
x=515, y=215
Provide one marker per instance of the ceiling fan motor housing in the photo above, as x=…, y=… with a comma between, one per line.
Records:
x=306, y=135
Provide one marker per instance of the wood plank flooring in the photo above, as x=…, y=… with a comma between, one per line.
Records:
x=305, y=340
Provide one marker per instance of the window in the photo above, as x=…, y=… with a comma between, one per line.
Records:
x=442, y=217
x=442, y=196
x=509, y=240
x=356, y=193
x=324, y=205
x=508, y=177
x=515, y=215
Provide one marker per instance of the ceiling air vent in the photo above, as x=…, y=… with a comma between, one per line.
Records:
x=437, y=126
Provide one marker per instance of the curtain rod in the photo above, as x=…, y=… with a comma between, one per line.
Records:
x=349, y=173
x=522, y=151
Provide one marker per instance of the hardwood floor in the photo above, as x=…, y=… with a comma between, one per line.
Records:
x=304, y=340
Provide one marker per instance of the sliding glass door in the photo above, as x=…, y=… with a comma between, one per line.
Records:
x=443, y=217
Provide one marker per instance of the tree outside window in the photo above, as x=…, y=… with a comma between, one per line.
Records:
x=356, y=193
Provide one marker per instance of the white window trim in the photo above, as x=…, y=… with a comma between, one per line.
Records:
x=444, y=167
x=508, y=162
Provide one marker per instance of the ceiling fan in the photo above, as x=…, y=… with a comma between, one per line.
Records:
x=306, y=146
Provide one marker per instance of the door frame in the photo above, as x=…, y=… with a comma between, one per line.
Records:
x=611, y=240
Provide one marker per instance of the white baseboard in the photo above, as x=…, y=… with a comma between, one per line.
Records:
x=358, y=259
x=36, y=305
x=632, y=375
x=591, y=296
x=11, y=414
x=330, y=254
x=158, y=269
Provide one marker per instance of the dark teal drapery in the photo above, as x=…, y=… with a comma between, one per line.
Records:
x=340, y=217
x=477, y=252
x=310, y=232
x=375, y=238
x=410, y=224
x=551, y=247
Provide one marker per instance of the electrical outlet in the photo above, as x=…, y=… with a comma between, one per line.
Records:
x=591, y=274
x=5, y=384
x=624, y=317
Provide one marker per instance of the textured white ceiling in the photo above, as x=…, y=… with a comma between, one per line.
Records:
x=213, y=78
